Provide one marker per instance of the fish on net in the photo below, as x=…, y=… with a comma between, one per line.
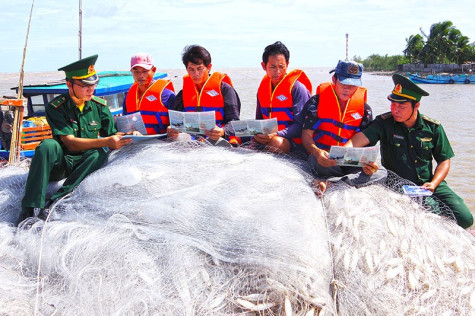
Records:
x=393, y=255
x=182, y=228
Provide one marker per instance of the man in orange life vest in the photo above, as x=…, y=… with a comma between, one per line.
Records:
x=282, y=95
x=203, y=91
x=151, y=97
x=331, y=117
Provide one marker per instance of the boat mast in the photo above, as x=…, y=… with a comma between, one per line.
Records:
x=80, y=29
x=22, y=70
x=14, y=156
x=346, y=47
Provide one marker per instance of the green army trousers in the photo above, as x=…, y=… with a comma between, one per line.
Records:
x=460, y=210
x=51, y=164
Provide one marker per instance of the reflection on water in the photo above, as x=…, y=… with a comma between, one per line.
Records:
x=452, y=105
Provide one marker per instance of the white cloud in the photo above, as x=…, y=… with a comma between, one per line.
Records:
x=235, y=32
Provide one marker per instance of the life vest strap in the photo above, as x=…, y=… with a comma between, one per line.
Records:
x=332, y=135
x=337, y=124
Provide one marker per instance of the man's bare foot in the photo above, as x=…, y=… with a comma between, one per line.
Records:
x=472, y=231
x=319, y=187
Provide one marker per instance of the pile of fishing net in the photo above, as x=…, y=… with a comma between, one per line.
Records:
x=183, y=228
x=393, y=256
x=175, y=229
x=12, y=187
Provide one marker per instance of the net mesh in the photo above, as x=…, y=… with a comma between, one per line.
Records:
x=180, y=229
x=183, y=228
x=12, y=189
x=393, y=257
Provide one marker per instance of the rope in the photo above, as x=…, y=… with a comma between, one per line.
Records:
x=51, y=211
x=335, y=284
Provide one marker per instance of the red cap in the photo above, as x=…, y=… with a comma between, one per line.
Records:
x=143, y=60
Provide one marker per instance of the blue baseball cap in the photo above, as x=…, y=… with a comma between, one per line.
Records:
x=349, y=72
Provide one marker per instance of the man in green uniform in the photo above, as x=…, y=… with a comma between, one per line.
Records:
x=76, y=119
x=409, y=141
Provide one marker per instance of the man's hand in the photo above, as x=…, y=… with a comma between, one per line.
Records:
x=370, y=168
x=135, y=133
x=116, y=142
x=172, y=133
x=429, y=185
x=264, y=139
x=322, y=158
x=215, y=133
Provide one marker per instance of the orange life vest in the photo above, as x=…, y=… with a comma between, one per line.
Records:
x=333, y=127
x=154, y=112
x=209, y=99
x=278, y=103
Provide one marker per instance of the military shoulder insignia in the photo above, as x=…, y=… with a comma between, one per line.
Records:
x=58, y=101
x=99, y=100
x=386, y=115
x=428, y=119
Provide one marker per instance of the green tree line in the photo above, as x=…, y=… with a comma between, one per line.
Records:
x=377, y=62
x=444, y=44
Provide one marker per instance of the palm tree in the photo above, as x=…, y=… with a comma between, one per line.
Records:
x=444, y=44
x=470, y=49
x=437, y=43
x=415, y=44
x=459, y=53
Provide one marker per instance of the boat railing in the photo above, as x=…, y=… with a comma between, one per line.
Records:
x=113, y=73
x=26, y=134
x=32, y=136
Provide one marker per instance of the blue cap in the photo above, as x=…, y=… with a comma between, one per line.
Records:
x=349, y=72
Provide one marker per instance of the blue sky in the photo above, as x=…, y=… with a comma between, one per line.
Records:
x=235, y=32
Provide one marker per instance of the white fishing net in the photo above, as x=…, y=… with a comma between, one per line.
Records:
x=187, y=229
x=175, y=229
x=12, y=188
x=392, y=257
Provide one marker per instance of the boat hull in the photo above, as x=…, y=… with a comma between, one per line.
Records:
x=443, y=79
x=23, y=154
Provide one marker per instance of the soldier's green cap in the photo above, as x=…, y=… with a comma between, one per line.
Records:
x=82, y=70
x=405, y=90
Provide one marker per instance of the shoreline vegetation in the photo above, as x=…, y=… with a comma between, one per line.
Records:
x=444, y=44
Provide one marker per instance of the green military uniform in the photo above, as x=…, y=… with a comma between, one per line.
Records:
x=409, y=151
x=52, y=160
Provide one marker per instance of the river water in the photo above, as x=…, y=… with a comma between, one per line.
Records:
x=452, y=105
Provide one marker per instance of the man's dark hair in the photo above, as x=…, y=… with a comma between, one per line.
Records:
x=275, y=49
x=196, y=54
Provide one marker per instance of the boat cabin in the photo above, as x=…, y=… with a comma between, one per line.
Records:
x=112, y=86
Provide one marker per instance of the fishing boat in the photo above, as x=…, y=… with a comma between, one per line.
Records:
x=442, y=78
x=112, y=86
x=30, y=127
